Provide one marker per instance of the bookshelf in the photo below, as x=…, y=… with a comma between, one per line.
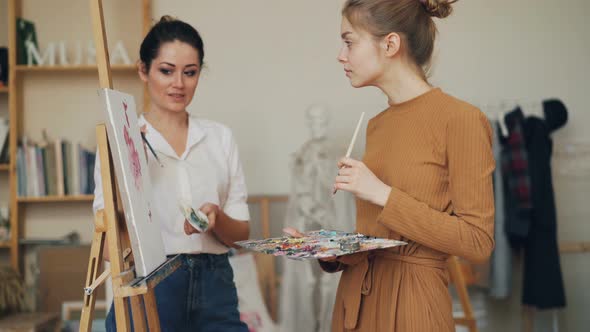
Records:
x=33, y=90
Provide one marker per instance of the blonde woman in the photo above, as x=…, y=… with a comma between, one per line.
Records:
x=425, y=178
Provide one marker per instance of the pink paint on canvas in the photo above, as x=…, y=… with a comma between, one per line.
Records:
x=134, y=165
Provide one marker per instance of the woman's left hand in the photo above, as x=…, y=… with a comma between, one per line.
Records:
x=355, y=177
x=209, y=209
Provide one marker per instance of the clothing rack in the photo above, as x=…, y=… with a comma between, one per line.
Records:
x=494, y=108
x=569, y=159
x=567, y=155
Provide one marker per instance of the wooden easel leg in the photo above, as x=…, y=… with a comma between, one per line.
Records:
x=138, y=314
x=94, y=266
x=151, y=309
x=112, y=228
x=459, y=282
x=122, y=314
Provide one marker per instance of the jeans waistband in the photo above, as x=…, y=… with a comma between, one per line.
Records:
x=203, y=259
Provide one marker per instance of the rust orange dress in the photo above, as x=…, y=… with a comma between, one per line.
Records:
x=435, y=151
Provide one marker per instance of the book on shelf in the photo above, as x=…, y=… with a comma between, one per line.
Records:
x=4, y=223
x=4, y=146
x=54, y=168
x=3, y=66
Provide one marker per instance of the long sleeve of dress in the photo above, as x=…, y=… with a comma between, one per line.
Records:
x=466, y=230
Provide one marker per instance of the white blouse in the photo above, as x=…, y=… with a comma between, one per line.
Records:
x=209, y=171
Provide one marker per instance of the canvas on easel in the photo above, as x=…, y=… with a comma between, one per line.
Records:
x=133, y=180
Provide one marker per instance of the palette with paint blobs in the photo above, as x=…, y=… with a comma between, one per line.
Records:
x=319, y=244
x=196, y=218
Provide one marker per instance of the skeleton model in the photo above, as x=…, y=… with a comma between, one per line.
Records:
x=307, y=294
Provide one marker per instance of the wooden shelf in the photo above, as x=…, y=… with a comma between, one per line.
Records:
x=4, y=167
x=84, y=68
x=56, y=199
x=5, y=244
x=3, y=89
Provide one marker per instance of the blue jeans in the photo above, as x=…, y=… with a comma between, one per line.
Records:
x=199, y=296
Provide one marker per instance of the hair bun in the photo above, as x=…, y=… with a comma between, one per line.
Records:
x=438, y=8
x=166, y=18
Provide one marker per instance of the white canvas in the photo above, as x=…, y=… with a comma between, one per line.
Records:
x=133, y=180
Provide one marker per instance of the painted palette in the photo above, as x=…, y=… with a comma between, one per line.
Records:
x=319, y=244
x=195, y=217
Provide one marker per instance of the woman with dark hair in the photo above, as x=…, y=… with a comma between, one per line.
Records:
x=201, y=164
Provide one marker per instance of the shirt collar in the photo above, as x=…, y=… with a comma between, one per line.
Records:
x=196, y=133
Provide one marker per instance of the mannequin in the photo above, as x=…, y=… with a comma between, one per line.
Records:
x=307, y=294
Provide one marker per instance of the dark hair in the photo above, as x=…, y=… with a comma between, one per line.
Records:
x=169, y=29
x=411, y=18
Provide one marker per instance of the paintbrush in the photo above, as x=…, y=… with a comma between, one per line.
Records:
x=351, y=145
x=151, y=149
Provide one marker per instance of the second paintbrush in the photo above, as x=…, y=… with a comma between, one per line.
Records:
x=151, y=149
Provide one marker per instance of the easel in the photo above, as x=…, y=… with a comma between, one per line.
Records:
x=110, y=224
